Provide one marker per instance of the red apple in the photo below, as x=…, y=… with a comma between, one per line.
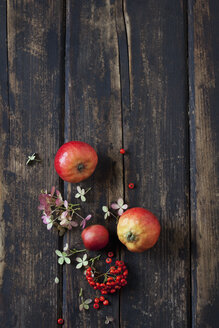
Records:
x=75, y=161
x=138, y=229
x=95, y=237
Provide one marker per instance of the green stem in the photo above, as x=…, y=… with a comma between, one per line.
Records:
x=74, y=251
x=79, y=215
x=87, y=190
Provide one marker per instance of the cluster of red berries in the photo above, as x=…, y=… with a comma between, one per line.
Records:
x=98, y=300
x=114, y=279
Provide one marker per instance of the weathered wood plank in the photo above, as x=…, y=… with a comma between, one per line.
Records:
x=93, y=115
x=156, y=139
x=204, y=127
x=31, y=108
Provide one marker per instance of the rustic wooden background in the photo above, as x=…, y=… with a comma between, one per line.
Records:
x=142, y=75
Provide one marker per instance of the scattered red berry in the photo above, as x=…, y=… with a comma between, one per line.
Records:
x=96, y=300
x=60, y=321
x=101, y=298
x=96, y=306
x=110, y=254
x=108, y=260
x=131, y=185
x=122, y=151
x=106, y=302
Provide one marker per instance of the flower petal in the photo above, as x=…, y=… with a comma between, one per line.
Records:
x=81, y=306
x=65, y=247
x=58, y=202
x=83, y=198
x=78, y=259
x=120, y=202
x=67, y=260
x=82, y=192
x=105, y=208
x=85, y=263
x=84, y=257
x=79, y=265
x=66, y=204
x=88, y=217
x=105, y=216
x=53, y=190
x=49, y=226
x=56, y=280
x=125, y=206
x=120, y=211
x=78, y=189
x=88, y=301
x=58, y=253
x=115, y=206
x=73, y=224
x=60, y=260
x=77, y=195
x=86, y=307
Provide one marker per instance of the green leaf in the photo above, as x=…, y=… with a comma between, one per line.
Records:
x=86, y=307
x=81, y=291
x=58, y=253
x=60, y=260
x=67, y=260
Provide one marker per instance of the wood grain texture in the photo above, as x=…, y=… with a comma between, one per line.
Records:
x=204, y=68
x=156, y=139
x=93, y=115
x=30, y=118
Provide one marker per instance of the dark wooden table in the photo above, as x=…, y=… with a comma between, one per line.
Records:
x=142, y=75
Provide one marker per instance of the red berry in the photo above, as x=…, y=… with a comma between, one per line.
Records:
x=112, y=291
x=60, y=321
x=108, y=260
x=110, y=279
x=110, y=254
x=104, y=292
x=101, y=298
x=120, y=263
x=106, y=302
x=96, y=300
x=122, y=151
x=131, y=185
x=96, y=306
x=125, y=273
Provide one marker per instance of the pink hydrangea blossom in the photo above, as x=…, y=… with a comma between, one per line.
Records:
x=120, y=206
x=84, y=221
